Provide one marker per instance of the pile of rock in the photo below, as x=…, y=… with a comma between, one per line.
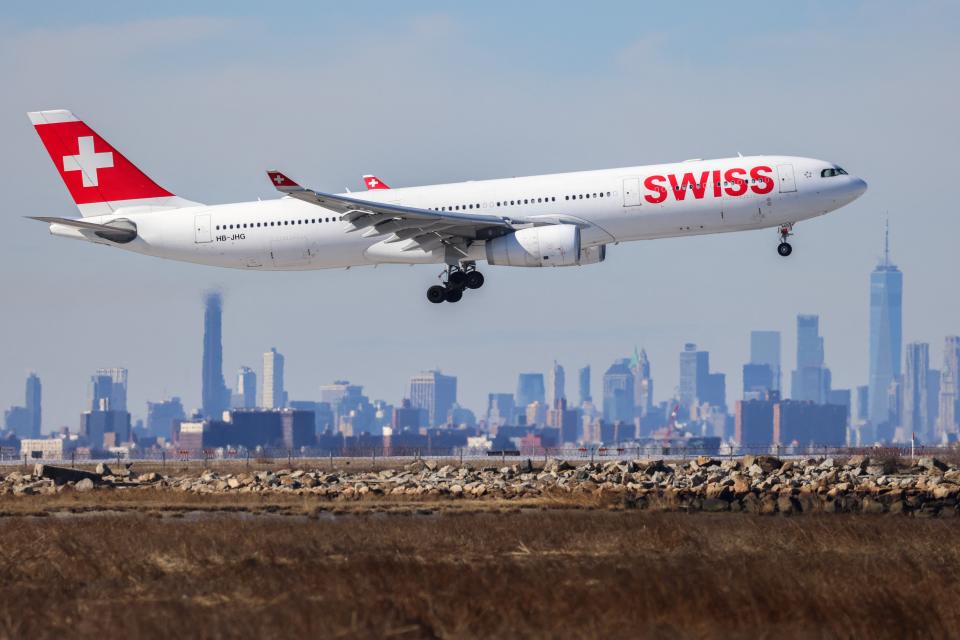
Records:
x=758, y=484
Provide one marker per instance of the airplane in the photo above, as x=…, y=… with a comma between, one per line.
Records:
x=556, y=220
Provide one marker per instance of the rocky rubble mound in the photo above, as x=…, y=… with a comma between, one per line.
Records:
x=756, y=484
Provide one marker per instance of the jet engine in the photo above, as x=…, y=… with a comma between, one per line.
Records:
x=549, y=246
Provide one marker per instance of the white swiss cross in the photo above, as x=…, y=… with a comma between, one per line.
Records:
x=87, y=161
x=278, y=179
x=372, y=182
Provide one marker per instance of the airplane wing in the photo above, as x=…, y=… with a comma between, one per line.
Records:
x=423, y=228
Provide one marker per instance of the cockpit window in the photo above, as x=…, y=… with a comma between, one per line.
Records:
x=832, y=171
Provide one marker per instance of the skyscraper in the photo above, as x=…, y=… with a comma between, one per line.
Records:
x=811, y=379
x=584, y=385
x=434, y=392
x=642, y=382
x=556, y=386
x=949, y=412
x=765, y=349
x=886, y=332
x=757, y=380
x=694, y=372
x=109, y=389
x=500, y=410
x=162, y=416
x=530, y=388
x=863, y=403
x=246, y=395
x=33, y=404
x=215, y=396
x=25, y=421
x=272, y=393
x=618, y=389
x=809, y=342
x=913, y=409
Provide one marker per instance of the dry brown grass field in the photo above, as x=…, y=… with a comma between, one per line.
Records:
x=571, y=573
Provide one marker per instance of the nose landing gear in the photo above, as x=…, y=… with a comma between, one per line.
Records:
x=785, y=248
x=457, y=280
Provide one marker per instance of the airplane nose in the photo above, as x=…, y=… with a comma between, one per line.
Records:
x=859, y=187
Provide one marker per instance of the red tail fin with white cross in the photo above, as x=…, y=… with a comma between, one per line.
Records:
x=99, y=178
x=373, y=182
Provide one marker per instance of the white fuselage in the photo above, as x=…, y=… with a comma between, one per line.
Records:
x=609, y=206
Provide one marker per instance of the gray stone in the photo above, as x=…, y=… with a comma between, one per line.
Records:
x=931, y=464
x=63, y=475
x=655, y=466
x=84, y=485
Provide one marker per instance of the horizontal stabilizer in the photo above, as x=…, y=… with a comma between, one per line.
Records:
x=121, y=231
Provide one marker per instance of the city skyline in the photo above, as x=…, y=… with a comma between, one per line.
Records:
x=658, y=295
x=108, y=386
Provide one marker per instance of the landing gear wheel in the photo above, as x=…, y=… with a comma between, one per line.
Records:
x=436, y=294
x=474, y=280
x=784, y=249
x=453, y=295
x=457, y=279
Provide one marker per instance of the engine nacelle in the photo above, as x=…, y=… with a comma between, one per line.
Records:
x=593, y=255
x=549, y=246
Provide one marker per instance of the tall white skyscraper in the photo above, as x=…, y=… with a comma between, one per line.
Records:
x=272, y=395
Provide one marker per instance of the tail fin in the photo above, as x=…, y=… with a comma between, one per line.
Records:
x=373, y=182
x=100, y=179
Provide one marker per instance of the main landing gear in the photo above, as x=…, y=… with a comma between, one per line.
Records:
x=458, y=280
x=785, y=248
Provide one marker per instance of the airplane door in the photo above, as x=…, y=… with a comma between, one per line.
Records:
x=631, y=192
x=202, y=226
x=788, y=183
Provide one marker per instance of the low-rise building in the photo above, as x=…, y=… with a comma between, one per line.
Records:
x=45, y=448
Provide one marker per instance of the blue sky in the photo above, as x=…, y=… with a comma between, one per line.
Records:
x=205, y=97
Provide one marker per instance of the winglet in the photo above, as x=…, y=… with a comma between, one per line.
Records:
x=282, y=183
x=373, y=182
